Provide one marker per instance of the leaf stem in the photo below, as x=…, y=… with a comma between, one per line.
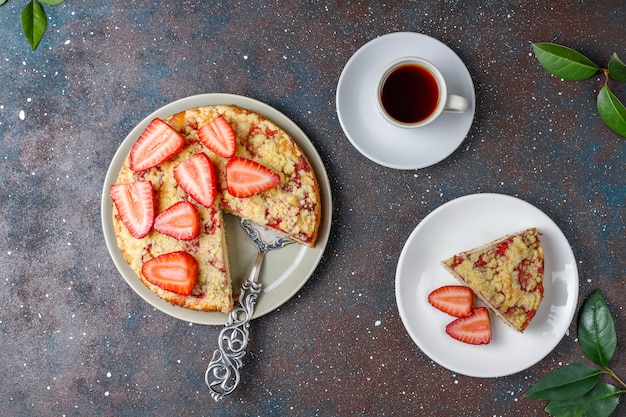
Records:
x=614, y=375
x=606, y=75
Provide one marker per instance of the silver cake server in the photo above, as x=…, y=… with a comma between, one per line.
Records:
x=222, y=375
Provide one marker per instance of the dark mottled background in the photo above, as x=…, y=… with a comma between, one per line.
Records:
x=76, y=340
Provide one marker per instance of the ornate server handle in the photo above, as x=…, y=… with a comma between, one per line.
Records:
x=222, y=374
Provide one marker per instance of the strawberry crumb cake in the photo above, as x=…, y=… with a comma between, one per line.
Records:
x=180, y=177
x=506, y=274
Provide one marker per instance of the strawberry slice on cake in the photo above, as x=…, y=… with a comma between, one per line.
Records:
x=176, y=272
x=219, y=137
x=197, y=177
x=135, y=205
x=180, y=221
x=246, y=178
x=158, y=143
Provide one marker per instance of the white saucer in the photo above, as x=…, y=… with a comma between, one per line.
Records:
x=468, y=222
x=391, y=146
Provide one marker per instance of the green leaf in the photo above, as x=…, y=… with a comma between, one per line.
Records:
x=564, y=62
x=2, y=2
x=566, y=383
x=51, y=2
x=617, y=69
x=612, y=111
x=600, y=402
x=596, y=330
x=34, y=23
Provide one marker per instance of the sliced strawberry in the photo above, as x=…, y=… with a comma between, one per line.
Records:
x=246, y=178
x=196, y=176
x=455, y=300
x=180, y=221
x=175, y=271
x=135, y=205
x=474, y=328
x=157, y=143
x=219, y=137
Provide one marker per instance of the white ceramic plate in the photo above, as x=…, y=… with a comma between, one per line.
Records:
x=462, y=224
x=392, y=146
x=284, y=271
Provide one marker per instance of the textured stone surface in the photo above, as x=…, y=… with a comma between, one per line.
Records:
x=76, y=340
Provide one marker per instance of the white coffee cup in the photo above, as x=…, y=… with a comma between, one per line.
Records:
x=411, y=92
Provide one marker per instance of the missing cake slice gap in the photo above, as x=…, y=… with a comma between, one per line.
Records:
x=505, y=274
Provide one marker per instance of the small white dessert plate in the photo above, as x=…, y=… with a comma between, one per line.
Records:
x=378, y=140
x=284, y=271
x=462, y=224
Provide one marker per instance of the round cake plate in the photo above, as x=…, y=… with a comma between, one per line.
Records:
x=284, y=271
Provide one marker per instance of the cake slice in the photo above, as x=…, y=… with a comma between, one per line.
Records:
x=506, y=274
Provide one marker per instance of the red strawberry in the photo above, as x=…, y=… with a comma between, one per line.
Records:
x=157, y=143
x=245, y=177
x=196, y=176
x=175, y=271
x=135, y=205
x=474, y=329
x=455, y=300
x=180, y=221
x=219, y=137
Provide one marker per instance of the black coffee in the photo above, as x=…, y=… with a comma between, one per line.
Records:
x=410, y=93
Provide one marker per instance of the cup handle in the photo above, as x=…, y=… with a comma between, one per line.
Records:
x=456, y=104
